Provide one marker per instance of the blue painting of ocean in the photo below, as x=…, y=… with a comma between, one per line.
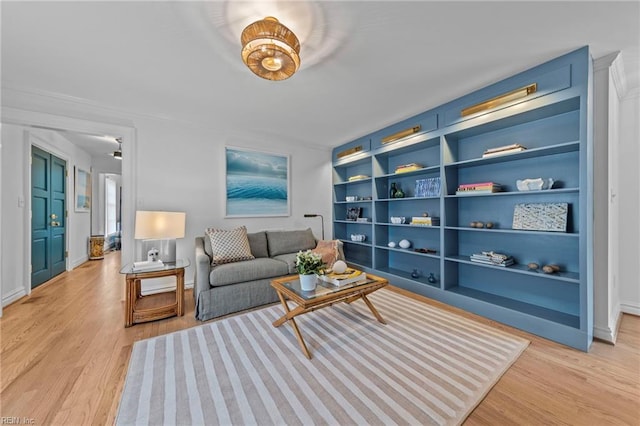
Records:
x=256, y=195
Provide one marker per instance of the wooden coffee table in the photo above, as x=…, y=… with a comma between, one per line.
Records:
x=325, y=294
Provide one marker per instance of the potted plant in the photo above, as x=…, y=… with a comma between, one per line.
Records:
x=309, y=265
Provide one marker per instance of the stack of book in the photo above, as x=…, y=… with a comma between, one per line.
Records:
x=492, y=258
x=503, y=150
x=408, y=168
x=425, y=221
x=478, y=188
x=349, y=276
x=147, y=265
x=357, y=177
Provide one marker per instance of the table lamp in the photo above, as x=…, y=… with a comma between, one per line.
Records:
x=158, y=232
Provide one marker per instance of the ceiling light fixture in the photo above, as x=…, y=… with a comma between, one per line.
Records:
x=270, y=50
x=117, y=154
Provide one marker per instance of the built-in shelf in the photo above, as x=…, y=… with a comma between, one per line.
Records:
x=516, y=305
x=408, y=251
x=529, y=153
x=554, y=126
x=407, y=275
x=421, y=171
x=511, y=193
x=571, y=277
x=512, y=231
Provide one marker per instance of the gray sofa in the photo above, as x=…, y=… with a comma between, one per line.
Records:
x=232, y=287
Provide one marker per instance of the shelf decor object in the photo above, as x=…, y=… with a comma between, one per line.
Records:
x=539, y=130
x=534, y=184
x=353, y=213
x=270, y=50
x=429, y=187
x=541, y=217
x=492, y=103
x=503, y=150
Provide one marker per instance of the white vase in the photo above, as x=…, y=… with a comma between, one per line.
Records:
x=308, y=282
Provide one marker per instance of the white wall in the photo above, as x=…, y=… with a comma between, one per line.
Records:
x=176, y=166
x=0, y=227
x=181, y=168
x=629, y=199
x=13, y=215
x=16, y=204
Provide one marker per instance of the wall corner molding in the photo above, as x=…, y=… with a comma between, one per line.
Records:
x=614, y=63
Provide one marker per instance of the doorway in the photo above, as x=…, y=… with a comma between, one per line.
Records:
x=49, y=216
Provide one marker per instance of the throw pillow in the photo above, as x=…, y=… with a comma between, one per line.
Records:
x=285, y=242
x=328, y=250
x=229, y=246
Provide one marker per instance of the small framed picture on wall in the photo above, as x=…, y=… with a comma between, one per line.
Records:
x=82, y=190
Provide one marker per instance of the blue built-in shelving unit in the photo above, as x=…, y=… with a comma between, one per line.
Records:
x=554, y=124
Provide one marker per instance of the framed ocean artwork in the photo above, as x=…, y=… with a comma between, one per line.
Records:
x=257, y=183
x=82, y=183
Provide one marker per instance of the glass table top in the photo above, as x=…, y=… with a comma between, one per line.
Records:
x=322, y=287
x=130, y=268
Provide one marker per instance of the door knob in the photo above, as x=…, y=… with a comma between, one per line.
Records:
x=55, y=223
x=54, y=216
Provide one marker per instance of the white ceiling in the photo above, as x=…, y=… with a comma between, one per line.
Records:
x=365, y=65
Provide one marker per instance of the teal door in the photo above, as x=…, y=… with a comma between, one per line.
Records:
x=48, y=216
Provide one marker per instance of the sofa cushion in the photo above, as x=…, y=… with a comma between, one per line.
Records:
x=290, y=260
x=258, y=243
x=329, y=251
x=248, y=270
x=229, y=245
x=283, y=242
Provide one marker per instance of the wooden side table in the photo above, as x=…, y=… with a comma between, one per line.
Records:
x=153, y=307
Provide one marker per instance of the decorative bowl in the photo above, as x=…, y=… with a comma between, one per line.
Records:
x=351, y=198
x=534, y=184
x=398, y=219
x=405, y=244
x=358, y=237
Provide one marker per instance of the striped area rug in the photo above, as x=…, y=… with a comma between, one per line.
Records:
x=425, y=366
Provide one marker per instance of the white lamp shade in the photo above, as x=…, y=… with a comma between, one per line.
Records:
x=159, y=225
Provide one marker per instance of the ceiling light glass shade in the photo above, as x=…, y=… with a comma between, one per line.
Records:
x=270, y=50
x=117, y=155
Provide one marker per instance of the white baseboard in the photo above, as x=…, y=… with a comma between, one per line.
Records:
x=632, y=308
x=13, y=296
x=73, y=264
x=609, y=334
x=605, y=334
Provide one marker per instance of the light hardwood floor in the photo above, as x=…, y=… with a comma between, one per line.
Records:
x=65, y=351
